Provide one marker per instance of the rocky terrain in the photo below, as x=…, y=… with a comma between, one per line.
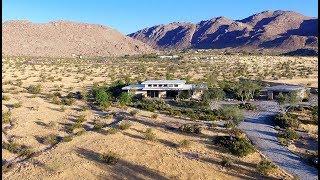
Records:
x=66, y=39
x=282, y=31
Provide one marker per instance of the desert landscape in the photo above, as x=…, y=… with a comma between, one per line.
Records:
x=110, y=90
x=40, y=94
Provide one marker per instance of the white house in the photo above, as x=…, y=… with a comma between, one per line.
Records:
x=165, y=88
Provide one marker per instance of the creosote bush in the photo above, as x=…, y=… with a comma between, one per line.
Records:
x=6, y=117
x=34, y=89
x=154, y=116
x=236, y=145
x=266, y=167
x=226, y=162
x=185, y=143
x=112, y=130
x=124, y=125
x=110, y=158
x=149, y=135
x=190, y=128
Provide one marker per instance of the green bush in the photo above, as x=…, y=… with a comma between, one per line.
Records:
x=124, y=125
x=125, y=98
x=16, y=148
x=149, y=135
x=232, y=113
x=266, y=167
x=5, y=98
x=226, y=162
x=185, y=143
x=17, y=105
x=50, y=139
x=289, y=134
x=112, y=130
x=110, y=158
x=190, y=128
x=248, y=106
x=6, y=117
x=236, y=145
x=67, y=138
x=285, y=120
x=80, y=119
x=154, y=116
x=34, y=89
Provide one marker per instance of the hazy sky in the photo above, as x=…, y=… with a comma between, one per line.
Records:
x=128, y=16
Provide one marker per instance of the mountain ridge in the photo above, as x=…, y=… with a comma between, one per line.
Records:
x=270, y=30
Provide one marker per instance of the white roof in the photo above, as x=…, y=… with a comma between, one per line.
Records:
x=164, y=82
x=133, y=86
x=284, y=88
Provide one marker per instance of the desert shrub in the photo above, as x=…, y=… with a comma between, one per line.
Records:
x=79, y=133
x=124, y=125
x=289, y=134
x=154, y=116
x=50, y=139
x=16, y=148
x=185, y=143
x=6, y=117
x=110, y=158
x=232, y=113
x=285, y=120
x=112, y=130
x=5, y=98
x=134, y=112
x=80, y=119
x=229, y=124
x=56, y=100
x=34, y=89
x=247, y=106
x=266, y=167
x=67, y=138
x=236, y=146
x=149, y=135
x=17, y=105
x=68, y=101
x=190, y=128
x=226, y=162
x=97, y=126
x=283, y=141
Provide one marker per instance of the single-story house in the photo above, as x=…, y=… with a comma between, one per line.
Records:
x=273, y=91
x=165, y=88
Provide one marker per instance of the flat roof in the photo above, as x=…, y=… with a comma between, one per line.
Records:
x=133, y=86
x=164, y=82
x=285, y=88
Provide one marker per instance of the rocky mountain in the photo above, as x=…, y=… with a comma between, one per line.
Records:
x=66, y=39
x=268, y=30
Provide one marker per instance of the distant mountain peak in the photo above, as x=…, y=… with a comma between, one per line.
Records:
x=279, y=30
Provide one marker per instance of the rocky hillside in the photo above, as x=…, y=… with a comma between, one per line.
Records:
x=268, y=30
x=66, y=39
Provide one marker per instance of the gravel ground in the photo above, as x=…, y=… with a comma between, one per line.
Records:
x=259, y=129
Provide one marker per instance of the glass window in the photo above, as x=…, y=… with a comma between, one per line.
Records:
x=154, y=85
x=170, y=85
x=176, y=85
x=160, y=85
x=149, y=85
x=165, y=85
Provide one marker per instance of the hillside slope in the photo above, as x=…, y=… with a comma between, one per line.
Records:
x=64, y=38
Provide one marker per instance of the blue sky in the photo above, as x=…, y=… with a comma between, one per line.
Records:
x=128, y=16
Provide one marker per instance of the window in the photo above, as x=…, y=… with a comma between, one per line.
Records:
x=149, y=85
x=176, y=85
x=165, y=85
x=170, y=85
x=160, y=85
x=154, y=85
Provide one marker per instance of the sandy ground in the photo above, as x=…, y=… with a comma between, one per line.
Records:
x=139, y=158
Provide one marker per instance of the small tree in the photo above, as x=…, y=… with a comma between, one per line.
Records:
x=125, y=98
